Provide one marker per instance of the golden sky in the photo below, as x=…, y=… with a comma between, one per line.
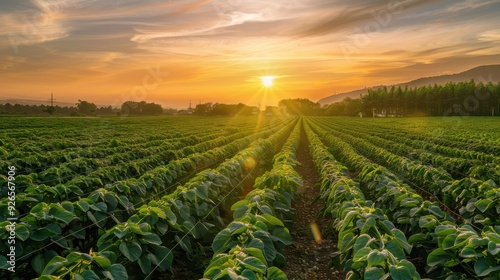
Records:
x=174, y=51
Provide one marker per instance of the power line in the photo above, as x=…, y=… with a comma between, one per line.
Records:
x=51, y=99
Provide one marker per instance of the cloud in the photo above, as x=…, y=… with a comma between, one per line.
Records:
x=35, y=24
x=219, y=47
x=469, y=5
x=492, y=35
x=347, y=18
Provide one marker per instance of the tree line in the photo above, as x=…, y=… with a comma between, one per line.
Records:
x=220, y=109
x=18, y=109
x=452, y=99
x=85, y=108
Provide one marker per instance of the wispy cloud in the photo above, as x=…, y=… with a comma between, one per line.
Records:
x=214, y=48
x=469, y=5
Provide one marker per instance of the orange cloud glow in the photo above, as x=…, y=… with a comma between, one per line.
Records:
x=171, y=52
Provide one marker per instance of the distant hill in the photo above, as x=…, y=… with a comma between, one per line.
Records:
x=487, y=72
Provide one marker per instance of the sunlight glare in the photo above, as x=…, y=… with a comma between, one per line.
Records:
x=267, y=80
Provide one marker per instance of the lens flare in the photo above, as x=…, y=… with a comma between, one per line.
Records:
x=249, y=163
x=316, y=232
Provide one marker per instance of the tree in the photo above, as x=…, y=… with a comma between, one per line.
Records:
x=132, y=108
x=86, y=108
x=50, y=110
x=299, y=106
x=203, y=109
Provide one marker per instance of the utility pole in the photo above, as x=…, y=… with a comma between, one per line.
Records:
x=51, y=99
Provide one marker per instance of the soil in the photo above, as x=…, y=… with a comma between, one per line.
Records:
x=306, y=258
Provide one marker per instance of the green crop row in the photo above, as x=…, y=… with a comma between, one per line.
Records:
x=53, y=227
x=149, y=239
x=481, y=196
x=462, y=134
x=77, y=187
x=370, y=246
x=464, y=251
x=253, y=242
x=459, y=163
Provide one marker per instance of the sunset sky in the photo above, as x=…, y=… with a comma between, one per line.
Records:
x=174, y=51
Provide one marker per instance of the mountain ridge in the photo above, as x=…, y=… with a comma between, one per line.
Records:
x=483, y=73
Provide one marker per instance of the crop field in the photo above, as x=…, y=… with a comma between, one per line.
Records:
x=184, y=197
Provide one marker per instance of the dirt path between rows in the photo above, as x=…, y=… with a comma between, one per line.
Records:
x=307, y=259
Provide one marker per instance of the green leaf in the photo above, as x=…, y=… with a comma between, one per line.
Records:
x=481, y=265
x=162, y=226
x=400, y=272
x=489, y=270
x=274, y=273
x=429, y=222
x=135, y=228
x=254, y=264
x=61, y=241
x=283, y=235
x=49, y=230
x=279, y=260
x=120, y=230
x=111, y=200
x=220, y=240
x=346, y=240
x=89, y=275
x=270, y=251
x=401, y=240
x=131, y=251
x=38, y=263
x=184, y=242
x=256, y=253
x=54, y=264
x=164, y=257
x=22, y=232
x=236, y=227
x=145, y=264
x=103, y=261
x=484, y=204
x=362, y=254
x=468, y=252
x=493, y=248
x=218, y=262
x=202, y=191
x=374, y=273
x=237, y=204
x=362, y=241
x=449, y=241
x=272, y=220
x=240, y=211
x=248, y=274
x=395, y=249
x=477, y=241
x=370, y=222
x=83, y=205
x=151, y=238
x=417, y=238
x=439, y=257
x=116, y=272
x=376, y=258
x=410, y=202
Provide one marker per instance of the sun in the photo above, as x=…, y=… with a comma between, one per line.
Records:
x=267, y=81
